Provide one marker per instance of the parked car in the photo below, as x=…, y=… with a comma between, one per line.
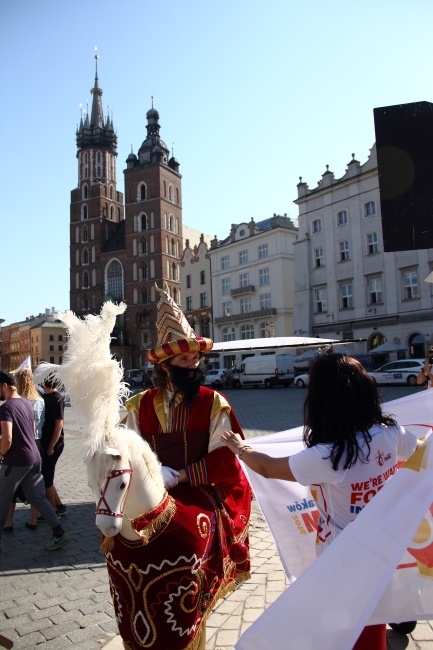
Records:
x=301, y=381
x=403, y=371
x=216, y=378
x=133, y=377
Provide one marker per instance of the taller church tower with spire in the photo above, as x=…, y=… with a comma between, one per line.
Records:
x=120, y=252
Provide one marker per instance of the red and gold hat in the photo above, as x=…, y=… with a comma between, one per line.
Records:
x=175, y=335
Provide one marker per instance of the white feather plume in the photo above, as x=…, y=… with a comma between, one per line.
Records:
x=91, y=376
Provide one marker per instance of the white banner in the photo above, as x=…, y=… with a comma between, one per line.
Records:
x=378, y=570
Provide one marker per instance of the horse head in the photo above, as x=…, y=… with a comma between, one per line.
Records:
x=126, y=480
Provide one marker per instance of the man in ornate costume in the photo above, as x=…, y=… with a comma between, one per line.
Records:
x=183, y=422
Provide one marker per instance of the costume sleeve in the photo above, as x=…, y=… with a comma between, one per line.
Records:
x=132, y=406
x=218, y=466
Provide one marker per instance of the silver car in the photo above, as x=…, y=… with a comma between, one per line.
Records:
x=403, y=371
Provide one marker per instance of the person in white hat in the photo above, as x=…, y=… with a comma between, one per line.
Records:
x=183, y=422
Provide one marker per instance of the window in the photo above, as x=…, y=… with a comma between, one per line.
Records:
x=264, y=277
x=244, y=280
x=188, y=303
x=203, y=299
x=142, y=192
x=225, y=262
x=227, y=308
x=84, y=234
x=372, y=243
x=318, y=257
x=229, y=334
x=202, y=277
x=225, y=284
x=188, y=282
x=265, y=301
x=317, y=225
x=144, y=297
x=143, y=221
x=342, y=217
x=51, y=337
x=115, y=280
x=343, y=247
x=320, y=296
x=374, y=291
x=243, y=257
x=85, y=280
x=410, y=285
x=346, y=296
x=247, y=332
x=85, y=258
x=245, y=304
x=51, y=348
x=60, y=348
x=369, y=209
x=266, y=329
x=170, y=194
x=60, y=337
x=263, y=251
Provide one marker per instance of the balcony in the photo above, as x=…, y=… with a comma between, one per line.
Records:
x=243, y=290
x=248, y=315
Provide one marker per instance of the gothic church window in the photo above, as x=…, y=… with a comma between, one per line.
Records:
x=115, y=280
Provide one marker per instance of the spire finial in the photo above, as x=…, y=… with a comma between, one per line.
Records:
x=172, y=149
x=152, y=100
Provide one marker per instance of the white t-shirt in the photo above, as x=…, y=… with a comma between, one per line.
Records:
x=340, y=495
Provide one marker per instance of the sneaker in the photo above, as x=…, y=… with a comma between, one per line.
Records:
x=57, y=542
x=61, y=511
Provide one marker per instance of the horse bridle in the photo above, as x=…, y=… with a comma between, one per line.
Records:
x=107, y=510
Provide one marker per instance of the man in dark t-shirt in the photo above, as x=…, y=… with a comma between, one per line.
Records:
x=52, y=442
x=20, y=461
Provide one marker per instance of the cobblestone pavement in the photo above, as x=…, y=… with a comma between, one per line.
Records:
x=61, y=599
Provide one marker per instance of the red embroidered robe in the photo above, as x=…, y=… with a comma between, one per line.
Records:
x=163, y=592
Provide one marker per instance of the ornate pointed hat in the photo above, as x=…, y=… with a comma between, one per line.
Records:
x=175, y=335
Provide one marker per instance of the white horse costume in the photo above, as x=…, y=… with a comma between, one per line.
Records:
x=168, y=555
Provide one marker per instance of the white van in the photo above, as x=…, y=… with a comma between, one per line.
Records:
x=267, y=370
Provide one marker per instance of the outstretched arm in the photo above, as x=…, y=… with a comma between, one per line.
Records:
x=262, y=464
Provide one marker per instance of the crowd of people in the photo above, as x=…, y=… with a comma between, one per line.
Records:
x=199, y=441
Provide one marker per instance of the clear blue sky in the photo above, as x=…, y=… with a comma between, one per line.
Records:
x=252, y=94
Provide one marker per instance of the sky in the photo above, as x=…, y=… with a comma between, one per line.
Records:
x=251, y=96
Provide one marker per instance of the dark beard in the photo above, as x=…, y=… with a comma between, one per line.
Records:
x=187, y=381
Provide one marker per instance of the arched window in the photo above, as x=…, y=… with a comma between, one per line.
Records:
x=176, y=226
x=165, y=189
x=115, y=280
x=84, y=192
x=173, y=247
x=111, y=192
x=170, y=223
x=173, y=271
x=144, y=273
x=175, y=295
x=112, y=212
x=152, y=294
x=142, y=247
x=144, y=296
x=247, y=331
x=229, y=334
x=143, y=222
x=85, y=280
x=170, y=193
x=85, y=257
x=177, y=196
x=142, y=192
x=83, y=212
x=84, y=234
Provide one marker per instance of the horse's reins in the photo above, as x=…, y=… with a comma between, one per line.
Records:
x=107, y=510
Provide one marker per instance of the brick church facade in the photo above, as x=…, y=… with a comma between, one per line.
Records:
x=121, y=245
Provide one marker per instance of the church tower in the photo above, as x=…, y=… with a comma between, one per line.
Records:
x=96, y=210
x=119, y=253
x=153, y=229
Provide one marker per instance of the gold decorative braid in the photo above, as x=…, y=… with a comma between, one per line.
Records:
x=158, y=523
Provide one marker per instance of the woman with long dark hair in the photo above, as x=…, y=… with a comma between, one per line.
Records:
x=348, y=440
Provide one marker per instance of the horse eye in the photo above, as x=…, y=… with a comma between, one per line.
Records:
x=122, y=486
